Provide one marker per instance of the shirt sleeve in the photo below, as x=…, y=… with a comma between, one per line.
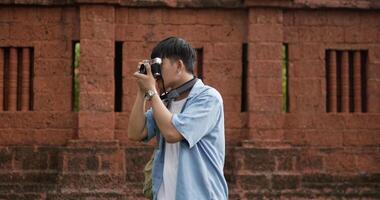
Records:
x=150, y=125
x=198, y=118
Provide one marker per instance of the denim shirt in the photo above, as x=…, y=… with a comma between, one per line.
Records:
x=202, y=151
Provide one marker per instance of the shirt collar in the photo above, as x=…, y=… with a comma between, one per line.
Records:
x=197, y=89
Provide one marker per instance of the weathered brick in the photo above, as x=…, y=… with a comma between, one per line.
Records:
x=340, y=162
x=258, y=160
x=281, y=182
x=249, y=182
x=5, y=159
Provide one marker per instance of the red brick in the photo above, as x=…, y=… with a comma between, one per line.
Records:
x=374, y=54
x=328, y=121
x=24, y=14
x=145, y=16
x=343, y=18
x=184, y=16
x=5, y=14
x=132, y=32
x=234, y=136
x=227, y=51
x=221, y=17
x=222, y=70
x=265, y=86
x=35, y=137
x=21, y=31
x=89, y=30
x=53, y=49
x=267, y=134
x=362, y=121
x=159, y=32
x=340, y=162
x=373, y=103
x=284, y=163
x=369, y=163
x=4, y=30
x=311, y=34
x=121, y=15
x=52, y=102
x=96, y=66
x=228, y=33
x=96, y=49
x=361, y=138
x=307, y=104
x=265, y=16
x=310, y=18
x=309, y=162
x=232, y=103
x=121, y=120
x=235, y=120
x=353, y=34
x=306, y=52
x=53, y=84
x=307, y=69
x=288, y=17
x=195, y=32
x=47, y=15
x=52, y=67
x=281, y=182
x=70, y=15
x=97, y=14
x=298, y=121
x=265, y=33
x=97, y=134
x=115, y=160
x=96, y=120
x=373, y=86
x=333, y=34
x=295, y=137
x=265, y=69
x=291, y=34
x=309, y=87
x=324, y=138
x=135, y=52
x=271, y=52
x=265, y=104
x=38, y=120
x=266, y=121
x=102, y=102
x=226, y=86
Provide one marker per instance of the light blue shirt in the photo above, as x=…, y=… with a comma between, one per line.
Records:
x=201, y=155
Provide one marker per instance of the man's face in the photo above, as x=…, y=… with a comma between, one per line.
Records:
x=169, y=72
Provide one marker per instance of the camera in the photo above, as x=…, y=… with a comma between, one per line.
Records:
x=155, y=66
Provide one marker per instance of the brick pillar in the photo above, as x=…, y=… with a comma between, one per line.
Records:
x=93, y=164
x=265, y=37
x=96, y=116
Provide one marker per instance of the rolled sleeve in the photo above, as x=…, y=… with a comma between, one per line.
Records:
x=150, y=125
x=198, y=118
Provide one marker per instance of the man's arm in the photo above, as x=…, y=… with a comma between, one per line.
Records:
x=136, y=126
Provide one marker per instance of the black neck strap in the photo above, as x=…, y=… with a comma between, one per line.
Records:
x=172, y=94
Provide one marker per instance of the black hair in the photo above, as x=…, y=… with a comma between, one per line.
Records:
x=176, y=48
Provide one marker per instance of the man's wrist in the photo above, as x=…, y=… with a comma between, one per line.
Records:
x=149, y=94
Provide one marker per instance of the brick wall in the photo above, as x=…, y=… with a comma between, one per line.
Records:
x=51, y=152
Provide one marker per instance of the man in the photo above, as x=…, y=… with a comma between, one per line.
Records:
x=188, y=164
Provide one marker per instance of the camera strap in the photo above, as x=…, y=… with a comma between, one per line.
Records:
x=172, y=94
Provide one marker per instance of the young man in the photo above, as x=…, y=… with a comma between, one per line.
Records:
x=188, y=164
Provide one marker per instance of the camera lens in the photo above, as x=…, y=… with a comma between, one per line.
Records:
x=142, y=69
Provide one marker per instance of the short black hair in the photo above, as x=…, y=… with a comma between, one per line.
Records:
x=176, y=48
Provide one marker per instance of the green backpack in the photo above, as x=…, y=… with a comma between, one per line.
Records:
x=148, y=183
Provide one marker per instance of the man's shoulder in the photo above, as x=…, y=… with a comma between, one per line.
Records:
x=206, y=91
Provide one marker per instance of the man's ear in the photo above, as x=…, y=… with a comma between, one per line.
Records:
x=180, y=66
